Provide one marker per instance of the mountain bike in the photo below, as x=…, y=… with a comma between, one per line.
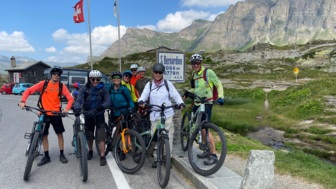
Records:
x=125, y=144
x=35, y=138
x=162, y=143
x=198, y=137
x=79, y=143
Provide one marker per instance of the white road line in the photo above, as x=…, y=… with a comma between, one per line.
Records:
x=118, y=175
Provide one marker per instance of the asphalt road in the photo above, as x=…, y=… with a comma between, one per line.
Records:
x=14, y=123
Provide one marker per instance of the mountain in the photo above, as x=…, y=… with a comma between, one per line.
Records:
x=277, y=22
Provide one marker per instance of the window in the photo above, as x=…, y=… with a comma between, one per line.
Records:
x=32, y=73
x=80, y=80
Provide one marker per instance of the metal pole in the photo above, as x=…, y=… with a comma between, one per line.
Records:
x=90, y=34
x=119, y=51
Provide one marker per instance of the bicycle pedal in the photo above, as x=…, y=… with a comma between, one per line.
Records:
x=27, y=135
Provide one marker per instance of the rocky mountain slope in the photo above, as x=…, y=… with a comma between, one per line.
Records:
x=277, y=22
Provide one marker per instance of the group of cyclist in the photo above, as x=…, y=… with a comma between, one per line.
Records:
x=130, y=90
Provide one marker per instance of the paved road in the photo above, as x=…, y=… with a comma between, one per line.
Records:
x=14, y=122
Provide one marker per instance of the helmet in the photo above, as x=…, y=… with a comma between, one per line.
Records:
x=141, y=69
x=128, y=72
x=158, y=68
x=95, y=73
x=76, y=85
x=196, y=57
x=56, y=69
x=134, y=66
x=116, y=73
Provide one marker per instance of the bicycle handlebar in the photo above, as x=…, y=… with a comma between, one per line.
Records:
x=30, y=108
x=162, y=107
x=193, y=96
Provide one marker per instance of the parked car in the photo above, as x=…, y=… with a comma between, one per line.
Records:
x=19, y=88
x=6, y=88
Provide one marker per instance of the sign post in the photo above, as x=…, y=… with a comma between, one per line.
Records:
x=296, y=71
x=174, y=63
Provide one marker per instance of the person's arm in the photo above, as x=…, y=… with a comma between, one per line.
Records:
x=107, y=99
x=133, y=94
x=79, y=98
x=174, y=93
x=66, y=93
x=212, y=78
x=145, y=93
x=129, y=98
x=35, y=88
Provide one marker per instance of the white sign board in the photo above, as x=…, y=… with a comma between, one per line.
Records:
x=16, y=77
x=174, y=63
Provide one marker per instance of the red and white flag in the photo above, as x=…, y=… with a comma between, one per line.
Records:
x=79, y=14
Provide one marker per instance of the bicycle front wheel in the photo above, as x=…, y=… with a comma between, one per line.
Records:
x=130, y=153
x=163, y=162
x=184, y=131
x=207, y=149
x=31, y=155
x=82, y=155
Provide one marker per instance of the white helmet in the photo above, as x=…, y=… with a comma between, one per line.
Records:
x=196, y=57
x=95, y=73
x=141, y=69
x=134, y=66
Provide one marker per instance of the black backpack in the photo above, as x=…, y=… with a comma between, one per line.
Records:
x=45, y=85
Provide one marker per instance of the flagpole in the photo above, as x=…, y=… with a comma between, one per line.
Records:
x=119, y=52
x=89, y=23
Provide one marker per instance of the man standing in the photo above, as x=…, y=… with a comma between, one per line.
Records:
x=141, y=82
x=203, y=88
x=51, y=92
x=94, y=96
x=135, y=75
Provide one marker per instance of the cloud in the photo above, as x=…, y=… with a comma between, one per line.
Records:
x=77, y=45
x=174, y=22
x=51, y=49
x=14, y=42
x=208, y=3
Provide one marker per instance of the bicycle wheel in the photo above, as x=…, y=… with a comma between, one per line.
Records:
x=31, y=155
x=131, y=158
x=185, y=130
x=163, y=162
x=199, y=152
x=81, y=154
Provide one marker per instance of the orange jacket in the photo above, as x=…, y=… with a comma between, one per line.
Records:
x=50, y=100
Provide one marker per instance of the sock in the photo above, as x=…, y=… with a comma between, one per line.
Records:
x=102, y=157
x=61, y=152
x=46, y=153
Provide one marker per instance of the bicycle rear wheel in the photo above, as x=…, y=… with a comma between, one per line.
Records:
x=163, y=162
x=81, y=154
x=31, y=155
x=185, y=130
x=131, y=158
x=199, y=152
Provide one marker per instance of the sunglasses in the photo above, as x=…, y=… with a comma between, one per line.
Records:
x=116, y=77
x=95, y=79
x=195, y=63
x=56, y=73
x=134, y=70
x=158, y=73
x=127, y=76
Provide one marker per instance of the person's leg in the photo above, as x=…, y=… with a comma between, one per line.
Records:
x=153, y=135
x=58, y=126
x=170, y=128
x=101, y=137
x=89, y=132
x=45, y=144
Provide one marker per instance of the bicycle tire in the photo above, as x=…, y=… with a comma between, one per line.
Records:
x=31, y=156
x=134, y=159
x=194, y=148
x=163, y=162
x=82, y=155
x=185, y=130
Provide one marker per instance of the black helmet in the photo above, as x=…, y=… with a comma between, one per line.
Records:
x=128, y=73
x=116, y=73
x=56, y=69
x=158, y=68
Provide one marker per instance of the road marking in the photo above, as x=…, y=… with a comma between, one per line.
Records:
x=118, y=175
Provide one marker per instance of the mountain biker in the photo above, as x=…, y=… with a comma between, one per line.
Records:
x=94, y=96
x=120, y=96
x=202, y=89
x=50, y=100
x=158, y=94
x=141, y=82
x=135, y=75
x=127, y=75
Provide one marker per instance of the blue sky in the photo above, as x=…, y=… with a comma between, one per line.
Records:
x=44, y=29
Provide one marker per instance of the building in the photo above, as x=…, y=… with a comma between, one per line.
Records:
x=27, y=72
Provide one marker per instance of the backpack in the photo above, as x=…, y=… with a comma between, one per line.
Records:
x=214, y=90
x=87, y=92
x=45, y=85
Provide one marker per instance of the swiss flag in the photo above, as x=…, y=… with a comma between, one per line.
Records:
x=79, y=15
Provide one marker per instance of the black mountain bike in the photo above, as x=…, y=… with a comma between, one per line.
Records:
x=198, y=138
x=35, y=138
x=126, y=145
